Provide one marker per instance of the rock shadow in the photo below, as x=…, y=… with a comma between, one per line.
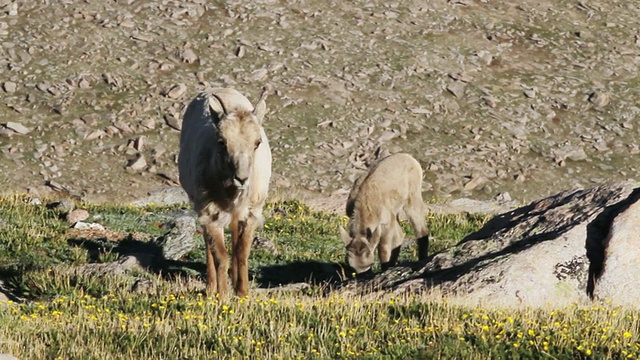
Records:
x=533, y=219
x=310, y=272
x=598, y=238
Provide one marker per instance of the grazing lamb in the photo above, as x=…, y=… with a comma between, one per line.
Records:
x=225, y=168
x=373, y=207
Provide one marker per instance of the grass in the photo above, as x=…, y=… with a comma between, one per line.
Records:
x=74, y=315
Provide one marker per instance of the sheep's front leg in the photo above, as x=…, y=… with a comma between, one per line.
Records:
x=217, y=260
x=234, y=227
x=389, y=248
x=241, y=250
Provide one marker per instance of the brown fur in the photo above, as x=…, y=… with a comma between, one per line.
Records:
x=374, y=204
x=225, y=168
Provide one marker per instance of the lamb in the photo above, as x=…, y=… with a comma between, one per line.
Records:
x=225, y=168
x=373, y=207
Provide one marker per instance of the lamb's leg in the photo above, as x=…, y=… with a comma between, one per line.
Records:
x=241, y=255
x=390, y=251
x=217, y=260
x=416, y=214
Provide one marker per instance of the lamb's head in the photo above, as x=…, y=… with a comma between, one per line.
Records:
x=240, y=135
x=360, y=250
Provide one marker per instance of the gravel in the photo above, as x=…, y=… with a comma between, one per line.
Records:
x=490, y=96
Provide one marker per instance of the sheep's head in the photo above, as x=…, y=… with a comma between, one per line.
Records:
x=239, y=136
x=360, y=249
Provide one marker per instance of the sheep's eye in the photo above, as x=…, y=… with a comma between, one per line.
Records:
x=222, y=142
x=257, y=144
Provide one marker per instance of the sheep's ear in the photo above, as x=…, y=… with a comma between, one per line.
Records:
x=261, y=106
x=345, y=236
x=260, y=111
x=216, y=105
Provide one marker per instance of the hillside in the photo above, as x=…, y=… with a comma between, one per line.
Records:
x=490, y=96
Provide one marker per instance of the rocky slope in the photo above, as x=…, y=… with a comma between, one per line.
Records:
x=529, y=97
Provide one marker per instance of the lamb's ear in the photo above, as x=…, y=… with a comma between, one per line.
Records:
x=261, y=106
x=371, y=234
x=216, y=105
x=368, y=233
x=345, y=236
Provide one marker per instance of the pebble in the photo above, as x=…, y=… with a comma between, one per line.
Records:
x=17, y=127
x=173, y=122
x=9, y=87
x=13, y=9
x=188, y=56
x=77, y=215
x=64, y=205
x=599, y=99
x=176, y=91
x=88, y=226
x=138, y=163
x=456, y=88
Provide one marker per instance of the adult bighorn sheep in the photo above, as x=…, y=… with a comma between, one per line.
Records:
x=392, y=185
x=225, y=168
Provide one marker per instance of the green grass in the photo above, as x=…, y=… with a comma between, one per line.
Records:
x=74, y=315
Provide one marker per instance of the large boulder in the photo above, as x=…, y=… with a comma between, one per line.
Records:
x=576, y=246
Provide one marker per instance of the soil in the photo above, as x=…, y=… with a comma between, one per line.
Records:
x=491, y=96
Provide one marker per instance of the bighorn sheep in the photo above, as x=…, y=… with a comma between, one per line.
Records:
x=225, y=168
x=373, y=207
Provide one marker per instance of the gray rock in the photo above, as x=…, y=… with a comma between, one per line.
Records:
x=64, y=205
x=166, y=196
x=9, y=87
x=457, y=88
x=599, y=98
x=176, y=91
x=13, y=9
x=548, y=253
x=18, y=128
x=530, y=93
x=7, y=357
x=188, y=56
x=35, y=201
x=266, y=244
x=77, y=215
x=138, y=163
x=179, y=240
x=127, y=263
x=91, y=226
x=174, y=122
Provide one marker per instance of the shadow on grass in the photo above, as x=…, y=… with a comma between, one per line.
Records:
x=150, y=256
x=309, y=271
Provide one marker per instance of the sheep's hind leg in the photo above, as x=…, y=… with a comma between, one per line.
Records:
x=241, y=250
x=217, y=260
x=416, y=214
